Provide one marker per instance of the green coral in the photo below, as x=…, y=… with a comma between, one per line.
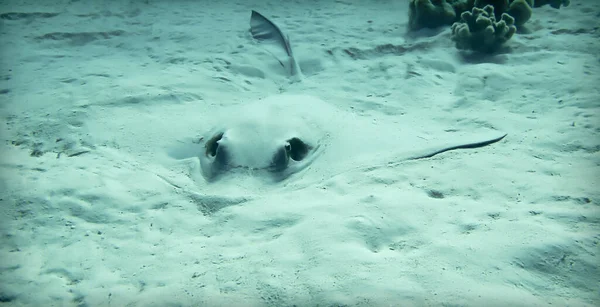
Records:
x=479, y=31
x=520, y=10
x=500, y=6
x=461, y=6
x=437, y=13
x=429, y=14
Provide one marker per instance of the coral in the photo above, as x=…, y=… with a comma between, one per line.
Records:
x=520, y=10
x=429, y=14
x=478, y=30
x=500, y=6
x=437, y=13
x=461, y=5
x=553, y=3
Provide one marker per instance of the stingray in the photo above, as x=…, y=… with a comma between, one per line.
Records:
x=289, y=135
x=283, y=135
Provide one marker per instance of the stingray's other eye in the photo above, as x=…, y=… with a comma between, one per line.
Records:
x=297, y=150
x=213, y=144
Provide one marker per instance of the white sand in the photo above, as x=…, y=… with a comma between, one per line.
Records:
x=121, y=223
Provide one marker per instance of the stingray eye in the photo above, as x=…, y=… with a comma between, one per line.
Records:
x=281, y=159
x=297, y=149
x=215, y=159
x=213, y=145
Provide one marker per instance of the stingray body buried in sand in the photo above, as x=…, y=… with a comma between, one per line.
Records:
x=292, y=135
x=283, y=135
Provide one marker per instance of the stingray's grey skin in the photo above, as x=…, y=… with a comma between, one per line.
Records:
x=282, y=135
x=265, y=31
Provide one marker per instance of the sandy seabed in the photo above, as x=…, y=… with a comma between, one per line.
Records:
x=96, y=211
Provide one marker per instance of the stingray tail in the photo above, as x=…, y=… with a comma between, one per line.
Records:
x=460, y=146
x=264, y=30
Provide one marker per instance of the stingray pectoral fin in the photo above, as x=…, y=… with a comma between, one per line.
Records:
x=264, y=30
x=460, y=146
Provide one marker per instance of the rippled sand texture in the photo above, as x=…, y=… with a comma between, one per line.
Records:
x=95, y=211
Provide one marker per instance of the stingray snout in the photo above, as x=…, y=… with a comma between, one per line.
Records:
x=222, y=154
